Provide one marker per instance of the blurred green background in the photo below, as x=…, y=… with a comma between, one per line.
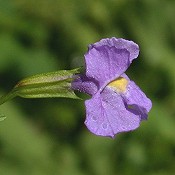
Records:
x=47, y=136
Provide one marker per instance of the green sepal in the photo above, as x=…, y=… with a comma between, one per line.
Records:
x=47, y=85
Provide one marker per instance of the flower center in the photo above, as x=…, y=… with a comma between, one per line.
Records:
x=119, y=84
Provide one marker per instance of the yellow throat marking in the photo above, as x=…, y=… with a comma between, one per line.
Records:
x=119, y=84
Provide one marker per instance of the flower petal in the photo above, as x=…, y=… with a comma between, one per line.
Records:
x=106, y=63
x=137, y=101
x=84, y=84
x=119, y=43
x=106, y=114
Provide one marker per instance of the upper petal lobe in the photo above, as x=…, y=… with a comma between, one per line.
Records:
x=119, y=43
x=106, y=63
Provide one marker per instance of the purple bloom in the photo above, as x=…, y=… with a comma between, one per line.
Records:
x=117, y=103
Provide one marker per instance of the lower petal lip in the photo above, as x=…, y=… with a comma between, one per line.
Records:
x=111, y=115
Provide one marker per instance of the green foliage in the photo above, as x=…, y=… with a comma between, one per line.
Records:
x=2, y=117
x=47, y=136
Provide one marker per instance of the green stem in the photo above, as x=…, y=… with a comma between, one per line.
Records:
x=7, y=97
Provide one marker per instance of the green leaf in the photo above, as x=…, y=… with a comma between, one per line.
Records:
x=2, y=117
x=47, y=85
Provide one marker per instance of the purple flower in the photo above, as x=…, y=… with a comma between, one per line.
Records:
x=117, y=103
